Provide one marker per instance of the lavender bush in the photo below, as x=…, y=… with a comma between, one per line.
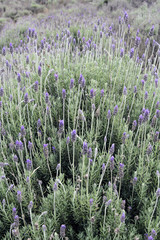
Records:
x=79, y=132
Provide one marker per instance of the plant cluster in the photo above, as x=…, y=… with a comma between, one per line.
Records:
x=79, y=139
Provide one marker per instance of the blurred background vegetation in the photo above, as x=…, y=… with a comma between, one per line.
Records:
x=24, y=12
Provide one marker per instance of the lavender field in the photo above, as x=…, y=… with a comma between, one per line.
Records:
x=79, y=128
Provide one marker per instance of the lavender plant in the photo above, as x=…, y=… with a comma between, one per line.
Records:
x=79, y=132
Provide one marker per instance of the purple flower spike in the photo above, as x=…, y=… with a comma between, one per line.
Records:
x=19, y=196
x=19, y=77
x=153, y=233
x=39, y=70
x=26, y=98
x=112, y=149
x=134, y=125
x=115, y=110
x=121, y=171
x=158, y=193
x=131, y=52
x=36, y=86
x=125, y=90
x=112, y=163
x=123, y=217
x=91, y=202
x=61, y=126
x=1, y=92
x=62, y=230
x=92, y=93
x=45, y=150
x=23, y=131
x=73, y=136
x=102, y=93
x=85, y=148
x=122, y=52
x=47, y=97
x=71, y=83
x=109, y=115
x=151, y=31
x=56, y=77
x=63, y=93
x=29, y=164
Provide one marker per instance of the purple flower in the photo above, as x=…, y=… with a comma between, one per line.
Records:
x=92, y=93
x=112, y=149
x=62, y=230
x=146, y=95
x=103, y=167
x=85, y=148
x=16, y=220
x=156, y=137
x=134, y=180
x=124, y=137
x=123, y=217
x=38, y=123
x=146, y=42
x=71, y=83
x=29, y=164
x=153, y=233
x=125, y=17
x=47, y=97
x=3, y=51
x=19, y=196
x=89, y=153
x=141, y=119
x=36, y=86
x=137, y=41
x=149, y=149
x=58, y=166
x=73, y=136
x=122, y=52
x=157, y=104
x=151, y=31
x=14, y=211
x=146, y=115
x=45, y=150
x=115, y=110
x=30, y=205
x=111, y=163
x=1, y=92
x=157, y=113
x=121, y=171
x=30, y=145
x=108, y=202
x=109, y=115
x=102, y=92
x=131, y=52
x=44, y=228
x=39, y=70
x=91, y=202
x=19, y=77
x=56, y=77
x=26, y=98
x=150, y=238
x=61, y=126
x=83, y=83
x=80, y=79
x=125, y=90
x=11, y=48
x=158, y=193
x=63, y=93
x=78, y=34
x=23, y=131
x=134, y=125
x=156, y=83
x=68, y=140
